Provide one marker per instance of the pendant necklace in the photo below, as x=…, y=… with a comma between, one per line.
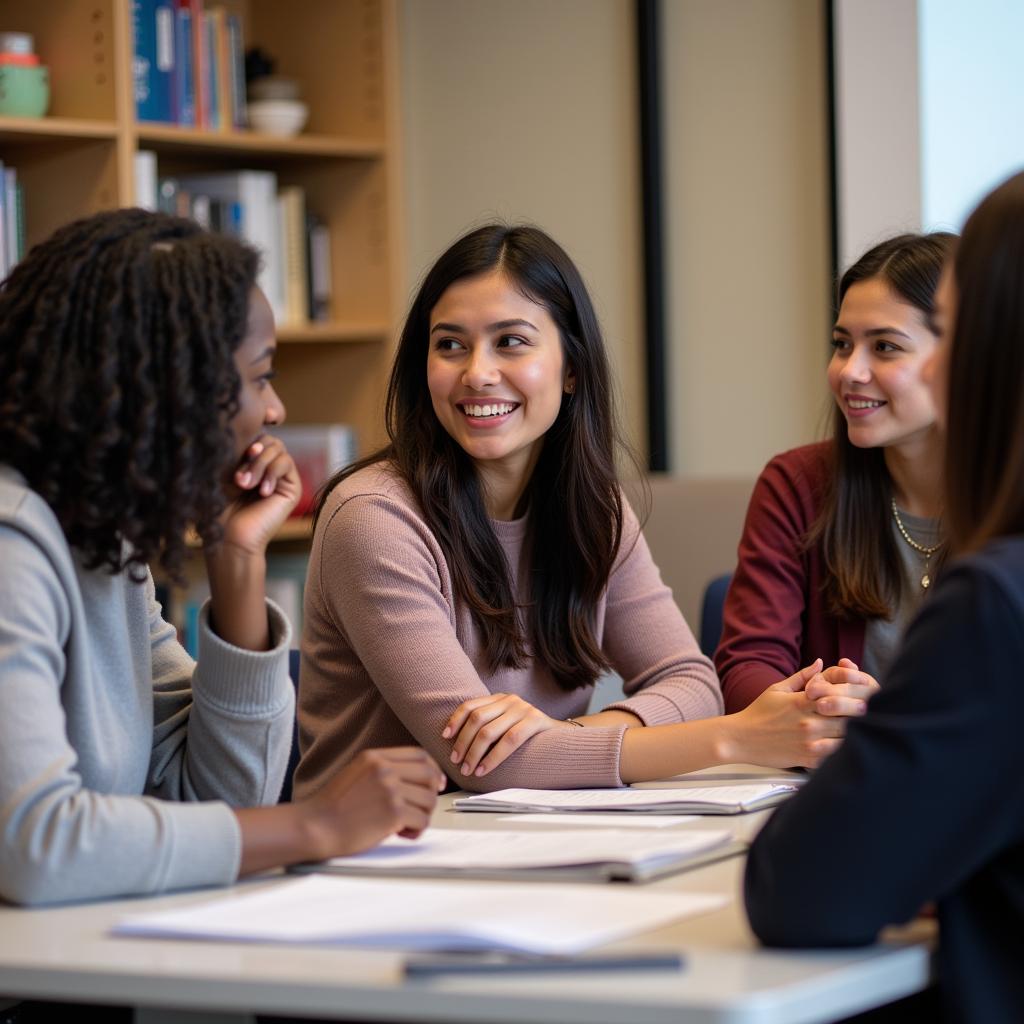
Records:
x=926, y=580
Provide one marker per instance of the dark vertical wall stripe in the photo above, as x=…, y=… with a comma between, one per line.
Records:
x=648, y=67
x=833, y=156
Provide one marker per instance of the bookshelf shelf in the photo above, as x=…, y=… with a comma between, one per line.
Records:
x=330, y=333
x=35, y=129
x=300, y=528
x=170, y=138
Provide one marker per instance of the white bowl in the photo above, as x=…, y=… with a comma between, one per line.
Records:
x=278, y=117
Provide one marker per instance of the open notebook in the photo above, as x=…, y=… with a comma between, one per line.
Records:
x=598, y=855
x=730, y=799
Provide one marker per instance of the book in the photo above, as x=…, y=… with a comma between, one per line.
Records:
x=318, y=268
x=153, y=59
x=145, y=180
x=537, y=855
x=224, y=70
x=319, y=451
x=293, y=250
x=10, y=200
x=730, y=799
x=372, y=913
x=200, y=57
x=211, y=85
x=236, y=52
x=184, y=66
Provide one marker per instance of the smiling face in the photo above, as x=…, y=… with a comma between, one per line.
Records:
x=880, y=346
x=258, y=403
x=496, y=372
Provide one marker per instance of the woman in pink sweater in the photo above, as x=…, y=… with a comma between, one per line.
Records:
x=470, y=581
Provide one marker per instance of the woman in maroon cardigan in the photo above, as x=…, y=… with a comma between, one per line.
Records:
x=841, y=537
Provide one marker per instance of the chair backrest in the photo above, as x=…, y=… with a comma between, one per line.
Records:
x=711, y=613
x=693, y=531
x=293, y=757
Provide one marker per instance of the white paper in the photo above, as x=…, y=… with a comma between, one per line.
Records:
x=469, y=849
x=627, y=799
x=400, y=914
x=595, y=820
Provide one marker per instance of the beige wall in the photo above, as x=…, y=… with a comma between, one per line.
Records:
x=747, y=229
x=526, y=110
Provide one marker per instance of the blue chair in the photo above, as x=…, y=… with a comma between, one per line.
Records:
x=711, y=613
x=293, y=758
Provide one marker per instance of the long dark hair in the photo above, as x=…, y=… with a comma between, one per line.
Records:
x=985, y=422
x=865, y=577
x=117, y=380
x=574, y=518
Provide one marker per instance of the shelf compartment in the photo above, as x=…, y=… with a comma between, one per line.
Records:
x=76, y=41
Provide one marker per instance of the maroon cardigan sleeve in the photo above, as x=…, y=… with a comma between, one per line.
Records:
x=764, y=628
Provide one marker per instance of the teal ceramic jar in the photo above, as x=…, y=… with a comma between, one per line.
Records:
x=24, y=90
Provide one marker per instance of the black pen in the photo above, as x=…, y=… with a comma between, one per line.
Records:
x=430, y=965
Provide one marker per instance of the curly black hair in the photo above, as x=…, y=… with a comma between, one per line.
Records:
x=118, y=381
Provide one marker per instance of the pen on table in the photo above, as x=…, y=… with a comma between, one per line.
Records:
x=425, y=966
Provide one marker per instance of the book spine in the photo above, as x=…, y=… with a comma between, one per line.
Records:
x=144, y=60
x=163, y=76
x=236, y=47
x=11, y=216
x=5, y=262
x=225, y=75
x=212, y=72
x=319, y=271
x=199, y=60
x=145, y=179
x=19, y=216
x=184, y=67
x=167, y=196
x=293, y=202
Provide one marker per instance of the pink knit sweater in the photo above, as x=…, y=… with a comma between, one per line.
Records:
x=389, y=651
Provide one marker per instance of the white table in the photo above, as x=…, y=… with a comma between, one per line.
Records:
x=66, y=953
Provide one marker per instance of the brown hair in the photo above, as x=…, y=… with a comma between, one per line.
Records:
x=574, y=518
x=985, y=423
x=864, y=577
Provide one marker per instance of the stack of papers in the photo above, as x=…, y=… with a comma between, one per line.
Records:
x=455, y=916
x=731, y=799
x=599, y=855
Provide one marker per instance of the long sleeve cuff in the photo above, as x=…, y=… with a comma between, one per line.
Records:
x=246, y=683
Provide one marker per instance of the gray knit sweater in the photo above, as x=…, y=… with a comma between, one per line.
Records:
x=120, y=756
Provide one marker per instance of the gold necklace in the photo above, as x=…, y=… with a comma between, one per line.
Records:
x=926, y=580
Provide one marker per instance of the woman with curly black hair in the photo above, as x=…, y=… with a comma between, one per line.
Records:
x=135, y=385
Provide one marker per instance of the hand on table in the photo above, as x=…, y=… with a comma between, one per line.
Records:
x=487, y=729
x=380, y=793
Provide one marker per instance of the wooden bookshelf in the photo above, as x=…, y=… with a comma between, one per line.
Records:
x=79, y=159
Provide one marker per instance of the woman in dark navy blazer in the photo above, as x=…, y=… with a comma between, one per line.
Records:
x=925, y=800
